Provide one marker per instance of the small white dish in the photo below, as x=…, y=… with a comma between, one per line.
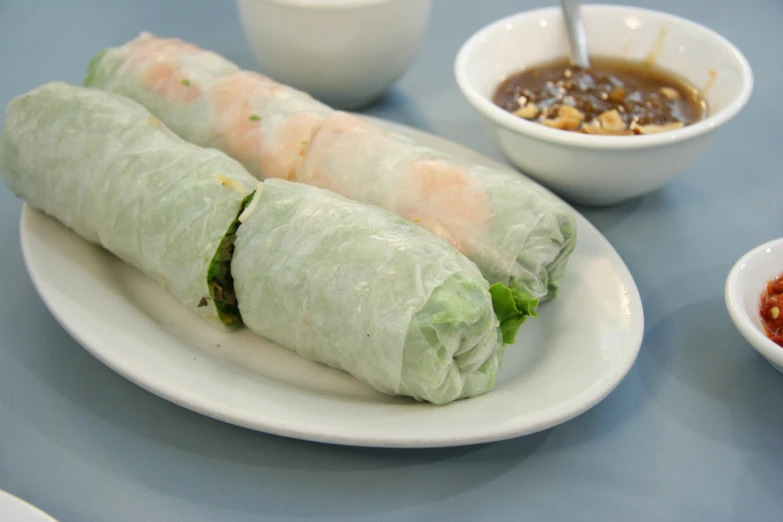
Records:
x=744, y=287
x=602, y=170
x=563, y=363
x=14, y=509
x=343, y=52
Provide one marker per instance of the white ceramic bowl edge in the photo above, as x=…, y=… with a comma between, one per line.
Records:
x=603, y=169
x=744, y=287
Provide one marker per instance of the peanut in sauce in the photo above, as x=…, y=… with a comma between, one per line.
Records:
x=613, y=97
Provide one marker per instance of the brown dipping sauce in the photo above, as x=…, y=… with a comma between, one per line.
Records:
x=613, y=97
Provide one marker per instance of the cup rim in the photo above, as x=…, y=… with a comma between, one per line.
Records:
x=327, y=5
x=543, y=133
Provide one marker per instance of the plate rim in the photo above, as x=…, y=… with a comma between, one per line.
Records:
x=586, y=400
x=30, y=509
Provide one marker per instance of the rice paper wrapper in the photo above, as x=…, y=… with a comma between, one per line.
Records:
x=107, y=169
x=360, y=289
x=514, y=230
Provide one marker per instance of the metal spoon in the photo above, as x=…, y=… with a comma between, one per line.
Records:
x=576, y=33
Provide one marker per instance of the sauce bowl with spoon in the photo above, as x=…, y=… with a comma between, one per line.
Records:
x=588, y=160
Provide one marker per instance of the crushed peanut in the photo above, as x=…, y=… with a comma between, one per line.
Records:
x=600, y=131
x=563, y=123
x=655, y=129
x=774, y=312
x=566, y=111
x=530, y=111
x=670, y=93
x=612, y=121
x=617, y=95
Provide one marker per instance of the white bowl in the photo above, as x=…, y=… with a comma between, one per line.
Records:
x=602, y=169
x=344, y=52
x=744, y=286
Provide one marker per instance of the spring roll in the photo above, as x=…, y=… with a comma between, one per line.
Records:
x=360, y=289
x=106, y=168
x=516, y=232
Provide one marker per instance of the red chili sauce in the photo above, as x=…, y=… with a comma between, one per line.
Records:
x=771, y=309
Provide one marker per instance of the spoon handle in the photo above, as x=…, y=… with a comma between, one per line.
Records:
x=576, y=33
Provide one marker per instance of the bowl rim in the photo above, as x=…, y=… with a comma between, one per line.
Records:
x=750, y=331
x=521, y=126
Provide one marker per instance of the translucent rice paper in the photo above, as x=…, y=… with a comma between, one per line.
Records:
x=517, y=233
x=360, y=289
x=106, y=168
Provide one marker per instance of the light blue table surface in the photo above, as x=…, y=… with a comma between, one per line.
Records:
x=695, y=432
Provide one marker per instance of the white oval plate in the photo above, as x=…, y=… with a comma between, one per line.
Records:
x=744, y=286
x=563, y=363
x=14, y=509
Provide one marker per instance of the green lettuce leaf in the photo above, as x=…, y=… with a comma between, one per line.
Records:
x=219, y=278
x=512, y=306
x=92, y=68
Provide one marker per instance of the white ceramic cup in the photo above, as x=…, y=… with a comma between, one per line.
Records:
x=603, y=170
x=343, y=52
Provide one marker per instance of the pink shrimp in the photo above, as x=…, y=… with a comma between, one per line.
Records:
x=441, y=197
x=312, y=169
x=233, y=100
x=282, y=159
x=341, y=122
x=435, y=193
x=158, y=62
